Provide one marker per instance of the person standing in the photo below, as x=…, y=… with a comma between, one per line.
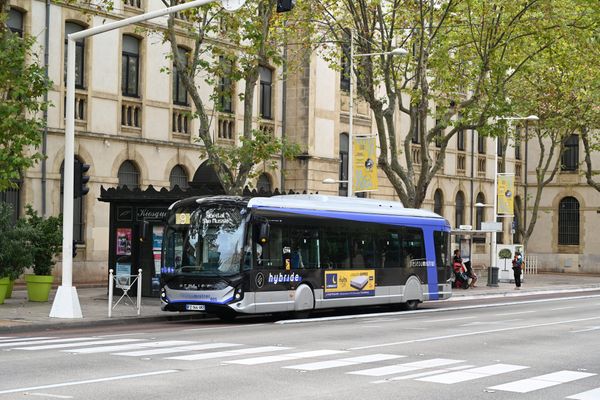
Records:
x=517, y=264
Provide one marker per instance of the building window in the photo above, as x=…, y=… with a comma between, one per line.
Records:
x=345, y=68
x=343, y=175
x=480, y=144
x=130, y=66
x=11, y=197
x=570, y=157
x=500, y=146
x=415, y=133
x=479, y=217
x=266, y=91
x=78, y=225
x=518, y=143
x=264, y=183
x=225, y=86
x=178, y=177
x=568, y=221
x=180, y=95
x=438, y=202
x=15, y=22
x=460, y=140
x=71, y=27
x=459, y=211
x=438, y=138
x=128, y=175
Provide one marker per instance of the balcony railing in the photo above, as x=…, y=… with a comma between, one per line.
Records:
x=80, y=107
x=131, y=114
x=481, y=166
x=181, y=121
x=133, y=3
x=461, y=163
x=226, y=129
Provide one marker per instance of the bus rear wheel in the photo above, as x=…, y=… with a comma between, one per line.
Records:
x=227, y=316
x=410, y=305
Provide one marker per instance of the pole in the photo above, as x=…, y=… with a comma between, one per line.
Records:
x=66, y=301
x=525, y=239
x=351, y=121
x=493, y=247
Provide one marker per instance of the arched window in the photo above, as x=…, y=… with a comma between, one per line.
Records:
x=570, y=157
x=343, y=175
x=178, y=177
x=264, y=183
x=130, y=66
x=207, y=180
x=78, y=220
x=11, y=196
x=438, y=202
x=459, y=212
x=266, y=88
x=479, y=211
x=568, y=221
x=129, y=175
x=72, y=27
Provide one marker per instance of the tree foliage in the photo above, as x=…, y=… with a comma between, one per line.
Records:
x=462, y=54
x=232, y=46
x=22, y=85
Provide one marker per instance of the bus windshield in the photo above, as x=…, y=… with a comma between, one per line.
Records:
x=209, y=245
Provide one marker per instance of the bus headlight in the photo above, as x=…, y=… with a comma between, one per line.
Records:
x=163, y=295
x=239, y=293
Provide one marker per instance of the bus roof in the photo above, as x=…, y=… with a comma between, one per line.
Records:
x=341, y=204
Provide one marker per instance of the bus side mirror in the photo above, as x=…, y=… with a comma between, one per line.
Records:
x=263, y=236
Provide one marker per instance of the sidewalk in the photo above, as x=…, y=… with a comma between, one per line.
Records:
x=19, y=315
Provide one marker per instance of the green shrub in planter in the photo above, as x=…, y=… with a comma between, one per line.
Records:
x=46, y=240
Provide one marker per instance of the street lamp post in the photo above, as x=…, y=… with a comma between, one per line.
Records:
x=493, y=246
x=66, y=301
x=395, y=52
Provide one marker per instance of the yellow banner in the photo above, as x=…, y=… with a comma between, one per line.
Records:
x=364, y=160
x=350, y=283
x=506, y=194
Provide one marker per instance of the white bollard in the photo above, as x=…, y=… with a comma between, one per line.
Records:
x=110, y=291
x=139, y=292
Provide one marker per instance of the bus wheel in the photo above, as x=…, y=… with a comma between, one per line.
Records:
x=411, y=305
x=304, y=301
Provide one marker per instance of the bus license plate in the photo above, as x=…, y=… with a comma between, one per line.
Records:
x=195, y=307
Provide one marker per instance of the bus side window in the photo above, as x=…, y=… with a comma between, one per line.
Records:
x=413, y=246
x=335, y=248
x=389, y=250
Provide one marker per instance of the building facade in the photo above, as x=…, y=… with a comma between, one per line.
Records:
x=133, y=126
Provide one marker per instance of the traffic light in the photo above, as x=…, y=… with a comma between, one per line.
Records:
x=74, y=248
x=285, y=5
x=80, y=188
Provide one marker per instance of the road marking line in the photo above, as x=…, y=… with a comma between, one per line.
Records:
x=515, y=313
x=32, y=342
x=229, y=353
x=593, y=394
x=132, y=346
x=179, y=349
x=433, y=321
x=219, y=327
x=422, y=374
x=472, y=374
x=344, y=362
x=512, y=328
x=11, y=340
x=542, y=381
x=407, y=367
x=79, y=344
x=111, y=378
x=56, y=396
x=593, y=328
x=561, y=308
x=286, y=357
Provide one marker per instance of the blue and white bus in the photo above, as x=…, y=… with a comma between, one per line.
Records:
x=297, y=253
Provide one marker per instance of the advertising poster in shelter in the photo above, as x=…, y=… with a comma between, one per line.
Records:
x=124, y=241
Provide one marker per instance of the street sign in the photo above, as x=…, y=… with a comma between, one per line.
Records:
x=491, y=226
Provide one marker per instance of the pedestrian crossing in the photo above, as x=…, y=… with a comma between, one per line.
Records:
x=378, y=368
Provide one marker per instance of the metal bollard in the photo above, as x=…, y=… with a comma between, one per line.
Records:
x=139, y=292
x=110, y=291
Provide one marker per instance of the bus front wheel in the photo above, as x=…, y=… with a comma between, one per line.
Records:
x=410, y=305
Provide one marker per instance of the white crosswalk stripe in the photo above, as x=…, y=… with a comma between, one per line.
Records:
x=407, y=367
x=286, y=357
x=542, y=381
x=229, y=353
x=472, y=374
x=422, y=374
x=77, y=344
x=593, y=394
x=44, y=341
x=131, y=346
x=178, y=349
x=344, y=362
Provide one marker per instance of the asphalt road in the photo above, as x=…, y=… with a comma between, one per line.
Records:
x=544, y=347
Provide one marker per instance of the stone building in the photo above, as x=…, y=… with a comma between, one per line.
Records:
x=133, y=127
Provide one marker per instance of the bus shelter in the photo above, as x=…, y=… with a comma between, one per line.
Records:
x=463, y=238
